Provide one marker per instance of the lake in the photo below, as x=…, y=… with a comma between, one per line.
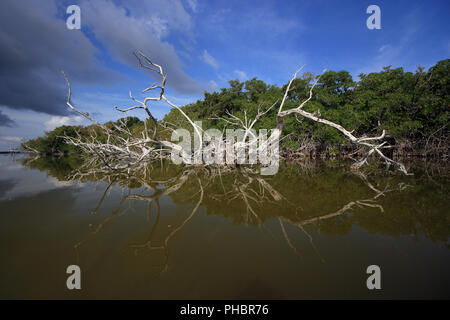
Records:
x=162, y=231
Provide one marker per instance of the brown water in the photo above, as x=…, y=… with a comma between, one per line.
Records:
x=189, y=233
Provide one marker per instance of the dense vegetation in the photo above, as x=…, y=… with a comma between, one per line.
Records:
x=53, y=141
x=412, y=107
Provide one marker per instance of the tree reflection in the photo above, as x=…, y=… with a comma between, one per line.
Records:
x=309, y=196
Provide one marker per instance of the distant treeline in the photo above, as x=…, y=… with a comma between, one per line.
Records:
x=413, y=108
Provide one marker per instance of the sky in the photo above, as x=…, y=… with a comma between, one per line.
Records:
x=201, y=45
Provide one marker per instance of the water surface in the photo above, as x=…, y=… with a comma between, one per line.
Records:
x=168, y=232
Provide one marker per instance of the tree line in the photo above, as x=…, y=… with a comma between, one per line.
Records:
x=413, y=108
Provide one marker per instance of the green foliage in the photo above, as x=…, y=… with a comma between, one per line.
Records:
x=53, y=142
x=411, y=107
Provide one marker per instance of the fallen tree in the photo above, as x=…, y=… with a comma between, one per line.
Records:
x=122, y=149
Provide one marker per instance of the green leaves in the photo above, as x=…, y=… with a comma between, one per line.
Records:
x=411, y=107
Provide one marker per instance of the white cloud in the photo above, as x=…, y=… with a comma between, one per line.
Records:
x=57, y=121
x=61, y=184
x=209, y=59
x=193, y=4
x=213, y=86
x=388, y=55
x=401, y=48
x=10, y=139
x=384, y=47
x=6, y=142
x=159, y=26
x=242, y=76
x=122, y=30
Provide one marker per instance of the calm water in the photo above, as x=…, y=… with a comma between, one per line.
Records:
x=166, y=232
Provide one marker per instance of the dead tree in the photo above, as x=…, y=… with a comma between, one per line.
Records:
x=367, y=142
x=129, y=150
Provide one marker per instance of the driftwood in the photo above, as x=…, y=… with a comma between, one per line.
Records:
x=129, y=150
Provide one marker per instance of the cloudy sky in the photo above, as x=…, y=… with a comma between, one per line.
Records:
x=201, y=44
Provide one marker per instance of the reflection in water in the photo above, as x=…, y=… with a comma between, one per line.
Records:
x=249, y=198
x=157, y=193
x=6, y=185
x=305, y=204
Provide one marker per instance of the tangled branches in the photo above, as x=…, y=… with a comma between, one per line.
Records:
x=123, y=149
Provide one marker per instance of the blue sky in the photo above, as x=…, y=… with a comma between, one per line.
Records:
x=201, y=44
